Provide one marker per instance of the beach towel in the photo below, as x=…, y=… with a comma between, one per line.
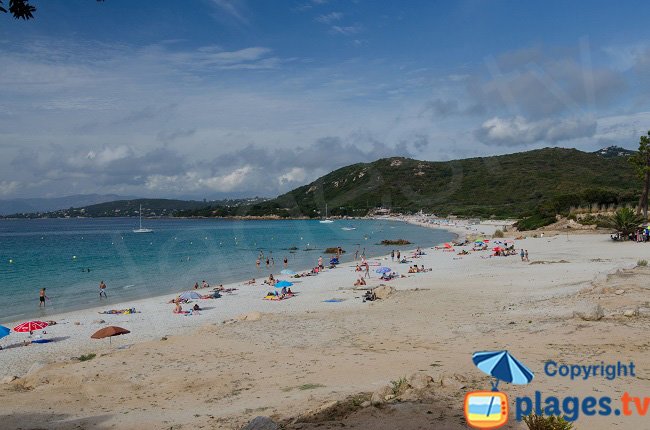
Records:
x=334, y=300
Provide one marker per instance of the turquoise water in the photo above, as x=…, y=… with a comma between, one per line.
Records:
x=57, y=254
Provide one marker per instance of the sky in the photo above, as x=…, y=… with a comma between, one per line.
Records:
x=234, y=98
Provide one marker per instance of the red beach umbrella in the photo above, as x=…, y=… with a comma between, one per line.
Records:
x=30, y=326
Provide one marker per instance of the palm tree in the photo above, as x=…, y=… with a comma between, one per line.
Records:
x=625, y=221
x=641, y=162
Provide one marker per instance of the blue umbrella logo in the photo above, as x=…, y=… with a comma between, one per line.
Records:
x=503, y=367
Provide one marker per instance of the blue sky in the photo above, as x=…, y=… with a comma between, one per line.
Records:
x=213, y=98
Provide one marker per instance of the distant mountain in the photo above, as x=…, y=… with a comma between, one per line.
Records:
x=545, y=181
x=14, y=206
x=614, y=151
x=126, y=208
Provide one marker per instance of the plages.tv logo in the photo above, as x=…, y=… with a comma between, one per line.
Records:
x=489, y=409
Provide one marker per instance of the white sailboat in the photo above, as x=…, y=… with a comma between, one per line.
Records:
x=142, y=230
x=326, y=220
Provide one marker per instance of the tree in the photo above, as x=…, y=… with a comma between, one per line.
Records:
x=625, y=221
x=20, y=9
x=641, y=162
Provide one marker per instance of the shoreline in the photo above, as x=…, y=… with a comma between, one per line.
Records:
x=156, y=306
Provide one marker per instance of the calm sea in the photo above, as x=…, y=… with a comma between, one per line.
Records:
x=71, y=256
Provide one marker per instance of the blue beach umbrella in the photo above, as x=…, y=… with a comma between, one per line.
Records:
x=190, y=295
x=502, y=366
x=288, y=272
x=383, y=270
x=4, y=331
x=283, y=284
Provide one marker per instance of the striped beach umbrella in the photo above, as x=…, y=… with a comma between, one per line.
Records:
x=30, y=326
x=502, y=366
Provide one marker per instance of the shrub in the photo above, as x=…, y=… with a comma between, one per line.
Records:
x=539, y=422
x=86, y=357
x=534, y=222
x=399, y=386
x=642, y=263
x=498, y=233
x=625, y=221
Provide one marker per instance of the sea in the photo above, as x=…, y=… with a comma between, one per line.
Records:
x=69, y=257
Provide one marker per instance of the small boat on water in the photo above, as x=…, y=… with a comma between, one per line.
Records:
x=348, y=228
x=326, y=220
x=142, y=230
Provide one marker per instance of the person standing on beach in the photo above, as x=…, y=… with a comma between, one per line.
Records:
x=272, y=262
x=398, y=255
x=367, y=275
x=522, y=254
x=526, y=256
x=392, y=255
x=102, y=290
x=320, y=262
x=42, y=297
x=286, y=262
x=356, y=255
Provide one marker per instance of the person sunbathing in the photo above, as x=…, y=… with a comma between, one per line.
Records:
x=289, y=292
x=251, y=282
x=359, y=282
x=178, y=309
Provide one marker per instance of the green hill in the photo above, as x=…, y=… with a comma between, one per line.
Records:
x=126, y=208
x=540, y=183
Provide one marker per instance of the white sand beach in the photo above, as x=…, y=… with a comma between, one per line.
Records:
x=298, y=360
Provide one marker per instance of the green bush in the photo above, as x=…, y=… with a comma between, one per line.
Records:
x=86, y=357
x=534, y=222
x=498, y=233
x=540, y=422
x=642, y=263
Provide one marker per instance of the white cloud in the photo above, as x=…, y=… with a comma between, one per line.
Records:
x=232, y=8
x=517, y=130
x=296, y=175
x=348, y=30
x=8, y=187
x=330, y=17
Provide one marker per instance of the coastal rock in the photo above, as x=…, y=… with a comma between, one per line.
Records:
x=99, y=322
x=365, y=404
x=419, y=381
x=383, y=291
x=261, y=423
x=619, y=292
x=379, y=396
x=631, y=313
x=250, y=316
x=594, y=313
